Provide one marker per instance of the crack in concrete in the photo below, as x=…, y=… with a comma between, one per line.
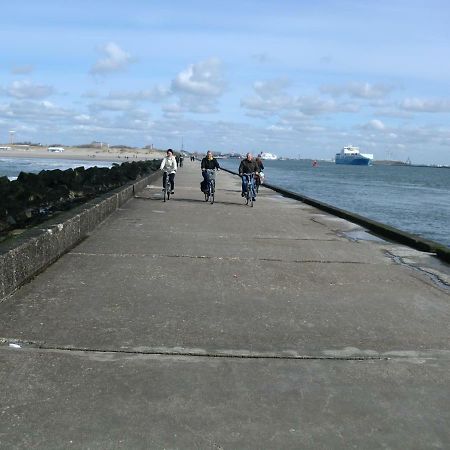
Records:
x=294, y=239
x=437, y=281
x=219, y=258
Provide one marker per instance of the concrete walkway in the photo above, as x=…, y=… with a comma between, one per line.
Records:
x=185, y=325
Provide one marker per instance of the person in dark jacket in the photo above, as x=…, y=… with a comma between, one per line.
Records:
x=248, y=165
x=208, y=162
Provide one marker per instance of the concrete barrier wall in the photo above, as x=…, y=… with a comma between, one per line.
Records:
x=378, y=228
x=25, y=256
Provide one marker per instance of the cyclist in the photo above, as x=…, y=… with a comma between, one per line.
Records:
x=169, y=165
x=247, y=166
x=208, y=163
x=260, y=177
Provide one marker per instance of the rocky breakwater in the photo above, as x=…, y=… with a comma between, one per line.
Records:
x=33, y=198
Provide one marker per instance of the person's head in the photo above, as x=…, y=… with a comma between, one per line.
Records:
x=169, y=152
x=249, y=156
x=209, y=154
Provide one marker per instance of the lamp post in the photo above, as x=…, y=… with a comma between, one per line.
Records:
x=11, y=137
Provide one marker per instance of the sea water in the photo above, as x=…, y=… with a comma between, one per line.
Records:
x=413, y=199
x=11, y=167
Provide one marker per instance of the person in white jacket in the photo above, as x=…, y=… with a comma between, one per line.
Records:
x=169, y=166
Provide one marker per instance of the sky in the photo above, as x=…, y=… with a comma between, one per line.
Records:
x=296, y=78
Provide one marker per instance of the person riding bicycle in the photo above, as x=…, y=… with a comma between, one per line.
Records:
x=208, y=163
x=247, y=166
x=169, y=166
x=260, y=177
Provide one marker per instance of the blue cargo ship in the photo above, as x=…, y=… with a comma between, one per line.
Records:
x=351, y=155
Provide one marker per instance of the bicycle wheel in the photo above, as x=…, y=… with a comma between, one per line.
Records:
x=168, y=193
x=212, y=191
x=164, y=194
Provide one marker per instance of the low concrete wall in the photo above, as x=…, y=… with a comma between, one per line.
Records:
x=378, y=228
x=25, y=256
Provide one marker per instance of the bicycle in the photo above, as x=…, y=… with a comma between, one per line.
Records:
x=250, y=193
x=167, y=187
x=210, y=185
x=258, y=181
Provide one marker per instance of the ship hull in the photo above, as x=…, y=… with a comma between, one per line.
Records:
x=353, y=161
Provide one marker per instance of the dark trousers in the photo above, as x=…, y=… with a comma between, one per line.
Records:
x=171, y=180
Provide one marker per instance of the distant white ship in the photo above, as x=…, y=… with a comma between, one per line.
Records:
x=266, y=155
x=351, y=155
x=55, y=149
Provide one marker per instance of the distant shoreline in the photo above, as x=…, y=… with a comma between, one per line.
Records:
x=86, y=153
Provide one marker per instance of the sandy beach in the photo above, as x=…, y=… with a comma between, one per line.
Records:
x=83, y=153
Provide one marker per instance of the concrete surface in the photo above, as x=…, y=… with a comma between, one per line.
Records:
x=33, y=250
x=185, y=325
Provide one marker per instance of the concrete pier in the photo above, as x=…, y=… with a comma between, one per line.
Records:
x=185, y=325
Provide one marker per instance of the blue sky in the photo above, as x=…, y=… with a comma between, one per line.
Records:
x=293, y=77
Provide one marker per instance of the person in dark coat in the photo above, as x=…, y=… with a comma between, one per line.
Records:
x=248, y=165
x=208, y=162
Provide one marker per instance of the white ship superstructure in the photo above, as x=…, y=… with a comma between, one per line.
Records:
x=351, y=155
x=266, y=155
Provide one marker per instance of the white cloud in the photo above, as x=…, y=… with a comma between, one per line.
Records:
x=82, y=118
x=111, y=105
x=274, y=104
x=358, y=90
x=376, y=124
x=198, y=88
x=115, y=59
x=425, y=105
x=156, y=94
x=313, y=105
x=203, y=79
x=270, y=96
x=34, y=111
x=24, y=89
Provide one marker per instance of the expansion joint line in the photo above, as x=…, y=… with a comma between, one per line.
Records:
x=22, y=344
x=218, y=258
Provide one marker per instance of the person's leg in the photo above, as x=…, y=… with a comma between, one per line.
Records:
x=172, y=181
x=164, y=179
x=244, y=185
